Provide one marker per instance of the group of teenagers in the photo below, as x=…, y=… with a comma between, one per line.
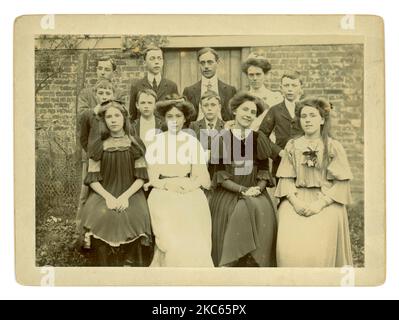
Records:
x=212, y=177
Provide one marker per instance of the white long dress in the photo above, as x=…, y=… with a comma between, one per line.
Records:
x=181, y=223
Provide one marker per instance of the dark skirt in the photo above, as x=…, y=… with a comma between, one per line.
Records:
x=116, y=228
x=117, y=175
x=241, y=226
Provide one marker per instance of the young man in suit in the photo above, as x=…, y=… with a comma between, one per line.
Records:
x=281, y=118
x=148, y=124
x=153, y=58
x=208, y=60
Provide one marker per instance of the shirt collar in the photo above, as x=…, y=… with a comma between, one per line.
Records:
x=289, y=103
x=142, y=119
x=213, y=122
x=151, y=77
x=213, y=80
x=237, y=133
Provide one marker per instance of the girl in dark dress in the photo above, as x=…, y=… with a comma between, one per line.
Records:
x=116, y=212
x=244, y=227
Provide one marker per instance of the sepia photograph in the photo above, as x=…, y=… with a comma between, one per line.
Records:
x=223, y=154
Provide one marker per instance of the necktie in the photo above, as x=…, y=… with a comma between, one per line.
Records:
x=210, y=125
x=154, y=85
x=209, y=86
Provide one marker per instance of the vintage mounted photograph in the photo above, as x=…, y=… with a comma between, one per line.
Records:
x=222, y=156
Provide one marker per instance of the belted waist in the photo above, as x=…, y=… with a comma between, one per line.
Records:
x=171, y=177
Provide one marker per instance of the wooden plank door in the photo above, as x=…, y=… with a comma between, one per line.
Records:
x=181, y=66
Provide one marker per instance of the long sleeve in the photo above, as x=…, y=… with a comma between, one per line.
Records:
x=84, y=129
x=86, y=101
x=266, y=148
x=132, y=102
x=95, y=146
x=268, y=123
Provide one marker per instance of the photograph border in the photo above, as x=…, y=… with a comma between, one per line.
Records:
x=298, y=29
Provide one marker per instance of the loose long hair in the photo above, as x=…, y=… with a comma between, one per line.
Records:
x=324, y=108
x=104, y=130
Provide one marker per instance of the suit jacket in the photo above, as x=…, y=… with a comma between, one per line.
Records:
x=197, y=126
x=136, y=126
x=165, y=87
x=278, y=119
x=206, y=141
x=226, y=92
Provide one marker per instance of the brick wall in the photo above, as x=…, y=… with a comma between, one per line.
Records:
x=331, y=71
x=336, y=73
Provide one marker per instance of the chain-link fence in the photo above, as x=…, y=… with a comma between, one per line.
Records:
x=58, y=175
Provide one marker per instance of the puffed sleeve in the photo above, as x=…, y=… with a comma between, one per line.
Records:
x=265, y=175
x=140, y=164
x=94, y=172
x=339, y=175
x=286, y=172
x=265, y=148
x=338, y=168
x=220, y=157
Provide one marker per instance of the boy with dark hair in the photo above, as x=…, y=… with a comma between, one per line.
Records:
x=153, y=61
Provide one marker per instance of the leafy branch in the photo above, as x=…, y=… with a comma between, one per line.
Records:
x=54, y=52
x=136, y=45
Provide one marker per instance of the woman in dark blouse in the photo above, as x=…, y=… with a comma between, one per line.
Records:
x=243, y=219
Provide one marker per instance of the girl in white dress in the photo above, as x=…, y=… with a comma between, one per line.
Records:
x=313, y=186
x=177, y=168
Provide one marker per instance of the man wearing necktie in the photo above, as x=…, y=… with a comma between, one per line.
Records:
x=155, y=85
x=208, y=60
x=153, y=58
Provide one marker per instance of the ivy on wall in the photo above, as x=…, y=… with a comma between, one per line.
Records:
x=134, y=46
